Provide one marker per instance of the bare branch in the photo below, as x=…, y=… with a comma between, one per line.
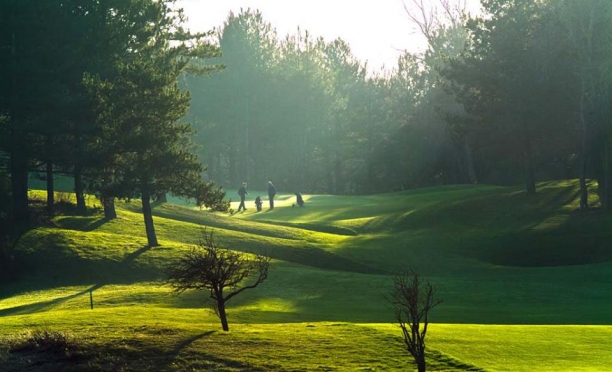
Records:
x=412, y=300
x=209, y=267
x=420, y=17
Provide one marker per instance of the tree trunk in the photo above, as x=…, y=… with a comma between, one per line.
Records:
x=109, y=208
x=528, y=164
x=336, y=168
x=147, y=212
x=459, y=173
x=529, y=176
x=18, y=143
x=584, y=193
x=369, y=182
x=50, y=189
x=421, y=366
x=232, y=166
x=162, y=197
x=78, y=190
x=605, y=179
x=247, y=136
x=300, y=165
x=338, y=179
x=222, y=314
x=469, y=162
x=19, y=179
x=50, y=181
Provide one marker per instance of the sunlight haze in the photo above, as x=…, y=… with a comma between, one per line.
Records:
x=377, y=31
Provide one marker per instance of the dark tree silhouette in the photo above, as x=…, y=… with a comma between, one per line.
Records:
x=413, y=299
x=209, y=267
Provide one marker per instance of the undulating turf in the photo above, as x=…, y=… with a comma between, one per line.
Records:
x=525, y=282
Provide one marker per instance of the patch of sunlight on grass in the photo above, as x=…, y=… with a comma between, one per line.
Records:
x=355, y=223
x=141, y=294
x=321, y=215
x=237, y=227
x=36, y=297
x=63, y=197
x=78, y=298
x=558, y=184
x=593, y=201
x=270, y=304
x=552, y=222
x=117, y=320
x=37, y=194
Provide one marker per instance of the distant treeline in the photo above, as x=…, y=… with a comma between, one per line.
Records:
x=518, y=94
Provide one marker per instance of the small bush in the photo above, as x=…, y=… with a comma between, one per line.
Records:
x=43, y=341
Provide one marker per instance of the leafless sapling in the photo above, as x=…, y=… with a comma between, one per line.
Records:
x=218, y=270
x=412, y=300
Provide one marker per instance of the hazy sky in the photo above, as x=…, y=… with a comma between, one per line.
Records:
x=377, y=30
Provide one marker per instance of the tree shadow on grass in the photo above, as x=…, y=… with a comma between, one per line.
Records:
x=134, y=255
x=80, y=223
x=510, y=211
x=124, y=266
x=439, y=361
x=318, y=258
x=224, y=364
x=44, y=305
x=149, y=353
x=547, y=250
x=185, y=343
x=201, y=361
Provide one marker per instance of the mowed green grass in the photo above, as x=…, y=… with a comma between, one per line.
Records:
x=525, y=283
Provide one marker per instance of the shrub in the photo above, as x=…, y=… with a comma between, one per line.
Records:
x=44, y=341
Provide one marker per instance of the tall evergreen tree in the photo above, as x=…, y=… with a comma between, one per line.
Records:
x=139, y=109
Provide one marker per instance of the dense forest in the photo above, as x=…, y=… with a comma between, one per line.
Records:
x=120, y=96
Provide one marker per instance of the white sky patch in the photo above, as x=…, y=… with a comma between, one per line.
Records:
x=378, y=31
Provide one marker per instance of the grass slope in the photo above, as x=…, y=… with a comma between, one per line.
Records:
x=497, y=256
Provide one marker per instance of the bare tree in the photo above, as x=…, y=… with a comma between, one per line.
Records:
x=209, y=267
x=412, y=300
x=432, y=16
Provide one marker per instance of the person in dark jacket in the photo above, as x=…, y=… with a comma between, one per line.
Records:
x=258, y=203
x=243, y=193
x=299, y=199
x=271, y=194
